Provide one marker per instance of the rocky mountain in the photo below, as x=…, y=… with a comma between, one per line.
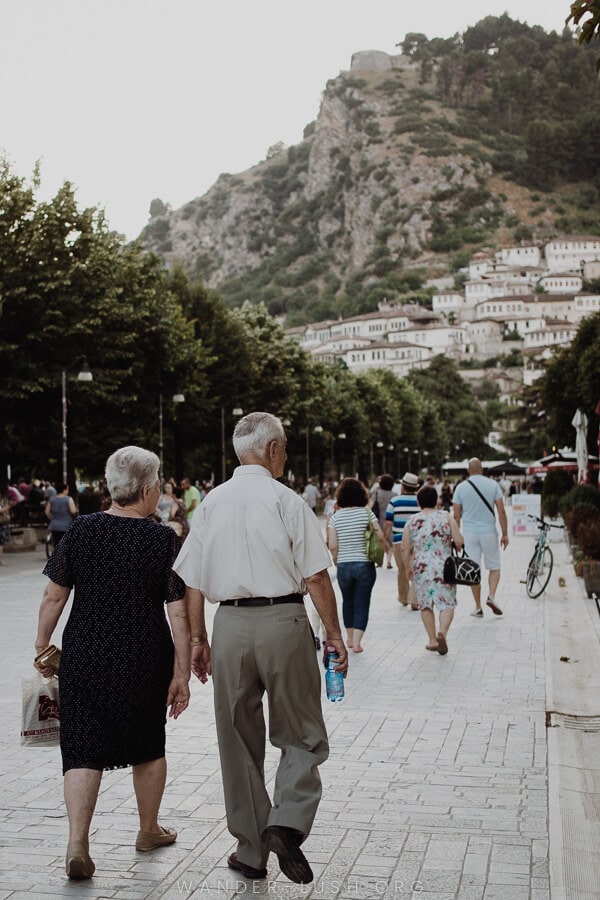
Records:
x=414, y=162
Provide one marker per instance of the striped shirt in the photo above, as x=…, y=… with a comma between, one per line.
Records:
x=350, y=523
x=398, y=512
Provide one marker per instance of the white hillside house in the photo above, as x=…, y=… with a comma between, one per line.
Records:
x=568, y=254
x=499, y=311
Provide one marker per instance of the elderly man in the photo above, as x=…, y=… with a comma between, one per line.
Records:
x=254, y=548
x=475, y=500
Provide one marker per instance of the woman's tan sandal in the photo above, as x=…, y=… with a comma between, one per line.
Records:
x=78, y=864
x=148, y=840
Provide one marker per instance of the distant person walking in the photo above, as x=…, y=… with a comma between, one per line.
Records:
x=474, y=501
x=426, y=544
x=380, y=497
x=61, y=511
x=398, y=512
x=312, y=495
x=5, y=506
x=346, y=541
x=191, y=497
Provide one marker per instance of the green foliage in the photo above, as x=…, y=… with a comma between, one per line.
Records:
x=588, y=538
x=578, y=519
x=69, y=286
x=589, y=27
x=555, y=486
x=503, y=95
x=580, y=495
x=571, y=382
x=456, y=406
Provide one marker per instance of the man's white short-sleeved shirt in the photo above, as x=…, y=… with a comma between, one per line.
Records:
x=252, y=537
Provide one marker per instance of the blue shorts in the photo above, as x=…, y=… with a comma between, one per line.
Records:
x=476, y=544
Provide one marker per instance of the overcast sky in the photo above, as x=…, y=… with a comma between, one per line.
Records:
x=135, y=99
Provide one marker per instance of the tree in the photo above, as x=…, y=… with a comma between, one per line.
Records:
x=571, y=382
x=69, y=286
x=526, y=429
x=463, y=418
x=590, y=27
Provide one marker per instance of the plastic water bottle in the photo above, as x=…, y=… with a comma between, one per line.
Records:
x=334, y=681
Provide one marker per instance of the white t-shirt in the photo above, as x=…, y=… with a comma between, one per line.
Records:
x=476, y=518
x=252, y=537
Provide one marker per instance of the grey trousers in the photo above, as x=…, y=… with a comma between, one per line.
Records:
x=256, y=650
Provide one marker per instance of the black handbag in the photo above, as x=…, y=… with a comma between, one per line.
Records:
x=460, y=569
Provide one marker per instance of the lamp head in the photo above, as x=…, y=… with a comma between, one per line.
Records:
x=85, y=373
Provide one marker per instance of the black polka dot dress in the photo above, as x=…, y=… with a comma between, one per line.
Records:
x=117, y=649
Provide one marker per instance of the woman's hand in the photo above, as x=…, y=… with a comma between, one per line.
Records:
x=178, y=696
x=201, y=661
x=46, y=671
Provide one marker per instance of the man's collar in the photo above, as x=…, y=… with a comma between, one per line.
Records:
x=251, y=470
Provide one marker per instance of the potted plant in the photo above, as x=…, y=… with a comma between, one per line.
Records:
x=581, y=511
x=588, y=541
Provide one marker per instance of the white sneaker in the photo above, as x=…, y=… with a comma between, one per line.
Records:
x=477, y=613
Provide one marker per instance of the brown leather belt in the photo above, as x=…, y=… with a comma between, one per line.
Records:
x=264, y=601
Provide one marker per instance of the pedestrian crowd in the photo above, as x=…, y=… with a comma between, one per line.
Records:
x=152, y=555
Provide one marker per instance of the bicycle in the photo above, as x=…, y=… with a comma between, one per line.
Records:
x=540, y=565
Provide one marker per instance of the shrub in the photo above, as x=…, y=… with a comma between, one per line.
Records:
x=582, y=493
x=579, y=517
x=556, y=485
x=588, y=537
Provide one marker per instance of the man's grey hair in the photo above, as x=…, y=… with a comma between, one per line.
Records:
x=128, y=470
x=254, y=433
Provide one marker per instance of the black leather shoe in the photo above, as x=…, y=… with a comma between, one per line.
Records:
x=247, y=871
x=285, y=842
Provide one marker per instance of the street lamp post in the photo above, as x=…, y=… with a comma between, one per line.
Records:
x=341, y=437
x=84, y=374
x=237, y=411
x=177, y=398
x=318, y=429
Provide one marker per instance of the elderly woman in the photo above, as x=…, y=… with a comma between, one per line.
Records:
x=346, y=540
x=120, y=668
x=426, y=544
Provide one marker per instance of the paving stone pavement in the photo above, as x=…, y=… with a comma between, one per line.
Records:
x=437, y=783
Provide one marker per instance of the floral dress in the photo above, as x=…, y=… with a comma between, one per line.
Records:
x=432, y=543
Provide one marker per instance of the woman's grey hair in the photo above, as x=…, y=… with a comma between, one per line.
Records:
x=254, y=433
x=128, y=470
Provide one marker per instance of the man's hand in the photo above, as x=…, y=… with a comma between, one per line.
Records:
x=504, y=541
x=201, y=661
x=340, y=649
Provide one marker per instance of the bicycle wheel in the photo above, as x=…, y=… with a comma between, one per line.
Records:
x=539, y=571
